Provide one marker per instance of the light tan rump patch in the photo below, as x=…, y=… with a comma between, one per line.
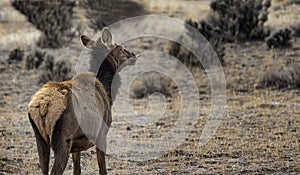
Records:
x=46, y=107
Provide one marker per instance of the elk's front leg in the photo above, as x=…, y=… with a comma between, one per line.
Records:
x=76, y=163
x=43, y=148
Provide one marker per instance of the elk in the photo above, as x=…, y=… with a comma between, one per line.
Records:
x=51, y=110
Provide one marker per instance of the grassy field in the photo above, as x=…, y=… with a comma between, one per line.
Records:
x=259, y=133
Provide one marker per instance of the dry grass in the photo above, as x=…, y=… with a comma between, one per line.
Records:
x=284, y=77
x=283, y=14
x=152, y=82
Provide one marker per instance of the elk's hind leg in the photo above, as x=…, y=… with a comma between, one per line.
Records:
x=101, y=161
x=101, y=147
x=76, y=163
x=61, y=144
x=43, y=148
x=61, y=155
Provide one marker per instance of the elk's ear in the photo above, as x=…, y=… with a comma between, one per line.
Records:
x=106, y=37
x=87, y=42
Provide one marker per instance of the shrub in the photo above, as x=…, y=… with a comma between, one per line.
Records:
x=16, y=55
x=62, y=70
x=37, y=58
x=239, y=19
x=279, y=38
x=106, y=12
x=55, y=71
x=53, y=18
x=188, y=58
x=234, y=20
x=229, y=21
x=288, y=77
x=152, y=82
x=191, y=61
x=48, y=67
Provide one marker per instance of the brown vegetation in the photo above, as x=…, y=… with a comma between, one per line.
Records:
x=279, y=38
x=152, y=82
x=283, y=77
x=52, y=69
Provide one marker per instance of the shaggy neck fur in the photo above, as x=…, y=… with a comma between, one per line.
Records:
x=106, y=70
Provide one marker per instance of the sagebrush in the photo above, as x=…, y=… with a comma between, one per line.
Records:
x=152, y=82
x=237, y=19
x=279, y=38
x=50, y=69
x=282, y=77
x=53, y=18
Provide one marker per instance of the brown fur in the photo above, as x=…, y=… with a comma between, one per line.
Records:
x=53, y=118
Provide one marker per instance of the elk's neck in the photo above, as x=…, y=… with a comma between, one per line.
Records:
x=108, y=77
x=104, y=71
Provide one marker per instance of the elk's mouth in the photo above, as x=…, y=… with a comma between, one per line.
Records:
x=131, y=61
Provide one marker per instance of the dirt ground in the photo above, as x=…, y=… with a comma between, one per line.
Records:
x=260, y=132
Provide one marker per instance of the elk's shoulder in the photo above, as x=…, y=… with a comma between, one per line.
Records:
x=87, y=81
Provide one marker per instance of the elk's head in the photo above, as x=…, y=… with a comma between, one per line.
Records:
x=105, y=47
x=107, y=58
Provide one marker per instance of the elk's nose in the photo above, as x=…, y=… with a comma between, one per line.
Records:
x=132, y=60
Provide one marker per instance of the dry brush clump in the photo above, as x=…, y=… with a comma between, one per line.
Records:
x=50, y=69
x=16, y=55
x=279, y=38
x=62, y=70
x=152, y=82
x=233, y=21
x=229, y=21
x=287, y=77
x=36, y=59
x=53, y=18
x=106, y=12
x=239, y=19
x=191, y=61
